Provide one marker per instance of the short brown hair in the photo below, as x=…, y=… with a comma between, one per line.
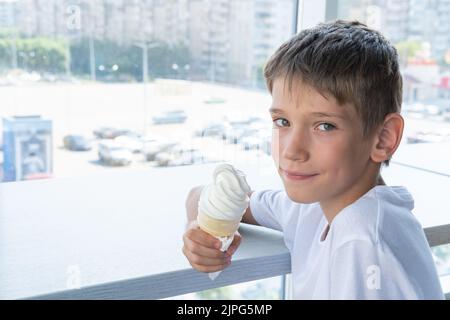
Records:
x=348, y=60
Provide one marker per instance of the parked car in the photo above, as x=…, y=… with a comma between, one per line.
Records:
x=181, y=157
x=109, y=132
x=174, y=116
x=266, y=145
x=446, y=115
x=240, y=134
x=214, y=100
x=114, y=154
x=233, y=134
x=244, y=121
x=251, y=143
x=428, y=136
x=77, y=143
x=432, y=110
x=214, y=130
x=152, y=147
x=132, y=143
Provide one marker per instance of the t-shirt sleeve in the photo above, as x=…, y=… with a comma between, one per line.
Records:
x=360, y=271
x=267, y=208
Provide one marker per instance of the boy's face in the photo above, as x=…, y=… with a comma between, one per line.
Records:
x=317, y=145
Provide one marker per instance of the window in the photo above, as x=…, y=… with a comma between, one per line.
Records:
x=420, y=31
x=74, y=73
x=266, y=289
x=89, y=86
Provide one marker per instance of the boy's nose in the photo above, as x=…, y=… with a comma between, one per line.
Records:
x=295, y=147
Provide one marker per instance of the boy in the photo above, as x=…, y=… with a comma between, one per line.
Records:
x=336, y=92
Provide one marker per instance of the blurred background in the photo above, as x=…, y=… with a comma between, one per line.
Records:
x=88, y=86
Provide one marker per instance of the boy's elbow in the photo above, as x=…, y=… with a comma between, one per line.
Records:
x=194, y=193
x=191, y=202
x=248, y=216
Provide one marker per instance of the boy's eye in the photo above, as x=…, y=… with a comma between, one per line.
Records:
x=326, y=127
x=280, y=122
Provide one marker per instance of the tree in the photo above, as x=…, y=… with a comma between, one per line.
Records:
x=128, y=60
x=34, y=54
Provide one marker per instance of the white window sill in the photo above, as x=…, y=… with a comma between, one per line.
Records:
x=119, y=235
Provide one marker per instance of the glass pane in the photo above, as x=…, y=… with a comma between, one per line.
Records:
x=442, y=258
x=89, y=86
x=166, y=83
x=420, y=30
x=266, y=289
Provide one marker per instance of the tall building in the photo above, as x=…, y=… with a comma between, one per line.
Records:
x=170, y=21
x=396, y=19
x=229, y=40
x=441, y=34
x=7, y=13
x=405, y=20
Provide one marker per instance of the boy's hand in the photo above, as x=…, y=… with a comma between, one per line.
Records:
x=203, y=250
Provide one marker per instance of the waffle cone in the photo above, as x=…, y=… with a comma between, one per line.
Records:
x=215, y=227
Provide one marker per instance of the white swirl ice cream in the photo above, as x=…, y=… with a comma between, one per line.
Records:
x=223, y=202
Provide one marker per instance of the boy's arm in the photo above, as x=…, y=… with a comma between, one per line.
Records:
x=192, y=207
x=248, y=216
x=201, y=249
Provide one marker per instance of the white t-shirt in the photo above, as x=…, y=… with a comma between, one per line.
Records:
x=374, y=249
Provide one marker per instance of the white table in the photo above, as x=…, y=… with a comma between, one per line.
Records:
x=119, y=235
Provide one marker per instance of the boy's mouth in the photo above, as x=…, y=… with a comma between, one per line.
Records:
x=292, y=175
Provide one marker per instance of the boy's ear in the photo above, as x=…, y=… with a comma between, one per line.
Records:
x=388, y=137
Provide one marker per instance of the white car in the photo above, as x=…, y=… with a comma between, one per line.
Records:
x=114, y=154
x=446, y=115
x=432, y=110
x=134, y=144
x=182, y=157
x=214, y=130
x=428, y=136
x=174, y=116
x=164, y=158
x=251, y=143
x=153, y=147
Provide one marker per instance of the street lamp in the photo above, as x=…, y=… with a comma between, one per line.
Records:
x=186, y=69
x=145, y=46
x=108, y=71
x=175, y=68
x=14, y=50
x=179, y=71
x=24, y=57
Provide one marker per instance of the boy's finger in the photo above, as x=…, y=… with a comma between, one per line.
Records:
x=235, y=244
x=204, y=261
x=207, y=262
x=204, y=238
x=201, y=250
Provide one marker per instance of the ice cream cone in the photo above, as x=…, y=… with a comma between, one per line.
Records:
x=222, y=204
x=215, y=227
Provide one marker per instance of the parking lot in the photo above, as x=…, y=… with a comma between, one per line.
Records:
x=70, y=163
x=82, y=108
